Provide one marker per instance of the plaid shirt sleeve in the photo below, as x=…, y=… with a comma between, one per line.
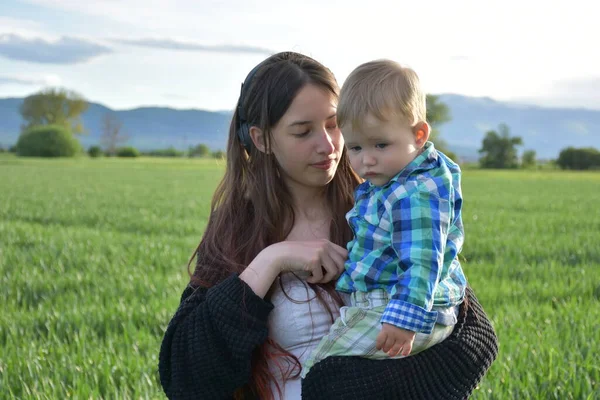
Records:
x=420, y=223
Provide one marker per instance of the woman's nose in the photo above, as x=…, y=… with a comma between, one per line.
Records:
x=326, y=143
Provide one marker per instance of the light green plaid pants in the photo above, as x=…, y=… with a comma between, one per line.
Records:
x=355, y=332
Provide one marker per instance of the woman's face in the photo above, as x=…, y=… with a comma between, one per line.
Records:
x=306, y=141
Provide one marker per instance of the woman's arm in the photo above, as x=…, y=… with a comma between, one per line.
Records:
x=321, y=259
x=207, y=348
x=261, y=273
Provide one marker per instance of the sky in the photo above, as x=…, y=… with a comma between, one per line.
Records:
x=195, y=53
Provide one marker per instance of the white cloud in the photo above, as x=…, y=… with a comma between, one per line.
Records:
x=48, y=80
x=504, y=49
x=581, y=92
x=174, y=44
x=9, y=80
x=53, y=80
x=66, y=50
x=23, y=27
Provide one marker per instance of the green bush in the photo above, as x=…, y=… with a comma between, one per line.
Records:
x=94, y=151
x=128, y=152
x=169, y=152
x=579, y=159
x=47, y=141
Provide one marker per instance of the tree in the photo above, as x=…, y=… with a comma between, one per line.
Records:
x=59, y=107
x=201, y=150
x=528, y=159
x=94, y=151
x=438, y=114
x=579, y=159
x=498, y=149
x=219, y=154
x=112, y=135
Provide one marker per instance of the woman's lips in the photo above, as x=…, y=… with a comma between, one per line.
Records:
x=325, y=165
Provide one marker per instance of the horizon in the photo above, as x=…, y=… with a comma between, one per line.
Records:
x=193, y=55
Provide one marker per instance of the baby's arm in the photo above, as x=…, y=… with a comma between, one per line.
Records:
x=419, y=223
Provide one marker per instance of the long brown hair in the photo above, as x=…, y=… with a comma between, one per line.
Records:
x=252, y=207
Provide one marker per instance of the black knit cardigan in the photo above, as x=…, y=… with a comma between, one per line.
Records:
x=207, y=348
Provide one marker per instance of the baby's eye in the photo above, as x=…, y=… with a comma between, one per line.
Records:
x=381, y=145
x=355, y=148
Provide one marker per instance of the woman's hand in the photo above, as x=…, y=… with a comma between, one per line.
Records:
x=321, y=259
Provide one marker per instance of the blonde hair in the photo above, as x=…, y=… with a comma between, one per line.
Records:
x=384, y=89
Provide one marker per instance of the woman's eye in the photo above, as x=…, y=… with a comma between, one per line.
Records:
x=381, y=145
x=301, y=134
x=332, y=127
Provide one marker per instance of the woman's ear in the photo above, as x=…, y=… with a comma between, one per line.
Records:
x=421, y=131
x=258, y=138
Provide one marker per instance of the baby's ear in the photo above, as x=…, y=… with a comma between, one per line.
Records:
x=421, y=131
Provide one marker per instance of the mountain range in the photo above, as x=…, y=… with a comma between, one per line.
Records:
x=545, y=130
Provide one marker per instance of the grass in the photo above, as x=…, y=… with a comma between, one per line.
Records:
x=93, y=258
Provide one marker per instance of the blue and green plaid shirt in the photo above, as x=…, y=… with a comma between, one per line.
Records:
x=407, y=235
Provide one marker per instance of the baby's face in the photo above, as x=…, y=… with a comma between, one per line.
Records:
x=381, y=149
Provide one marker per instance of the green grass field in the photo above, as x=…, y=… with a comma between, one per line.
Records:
x=93, y=257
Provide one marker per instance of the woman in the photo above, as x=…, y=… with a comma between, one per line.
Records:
x=261, y=295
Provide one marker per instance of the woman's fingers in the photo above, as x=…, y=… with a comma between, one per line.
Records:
x=338, y=261
x=323, y=259
x=343, y=253
x=337, y=255
x=331, y=269
x=314, y=267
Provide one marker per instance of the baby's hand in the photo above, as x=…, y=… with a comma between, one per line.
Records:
x=394, y=340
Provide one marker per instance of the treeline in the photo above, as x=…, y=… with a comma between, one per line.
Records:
x=52, y=122
x=199, y=151
x=499, y=150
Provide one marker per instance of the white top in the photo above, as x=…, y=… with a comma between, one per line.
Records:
x=297, y=325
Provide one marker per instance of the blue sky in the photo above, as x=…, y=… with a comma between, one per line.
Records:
x=195, y=53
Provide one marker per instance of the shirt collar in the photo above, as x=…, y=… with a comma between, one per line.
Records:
x=428, y=155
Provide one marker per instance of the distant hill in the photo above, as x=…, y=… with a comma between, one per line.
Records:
x=546, y=130
x=148, y=127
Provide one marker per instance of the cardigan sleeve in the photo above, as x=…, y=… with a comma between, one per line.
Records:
x=207, y=348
